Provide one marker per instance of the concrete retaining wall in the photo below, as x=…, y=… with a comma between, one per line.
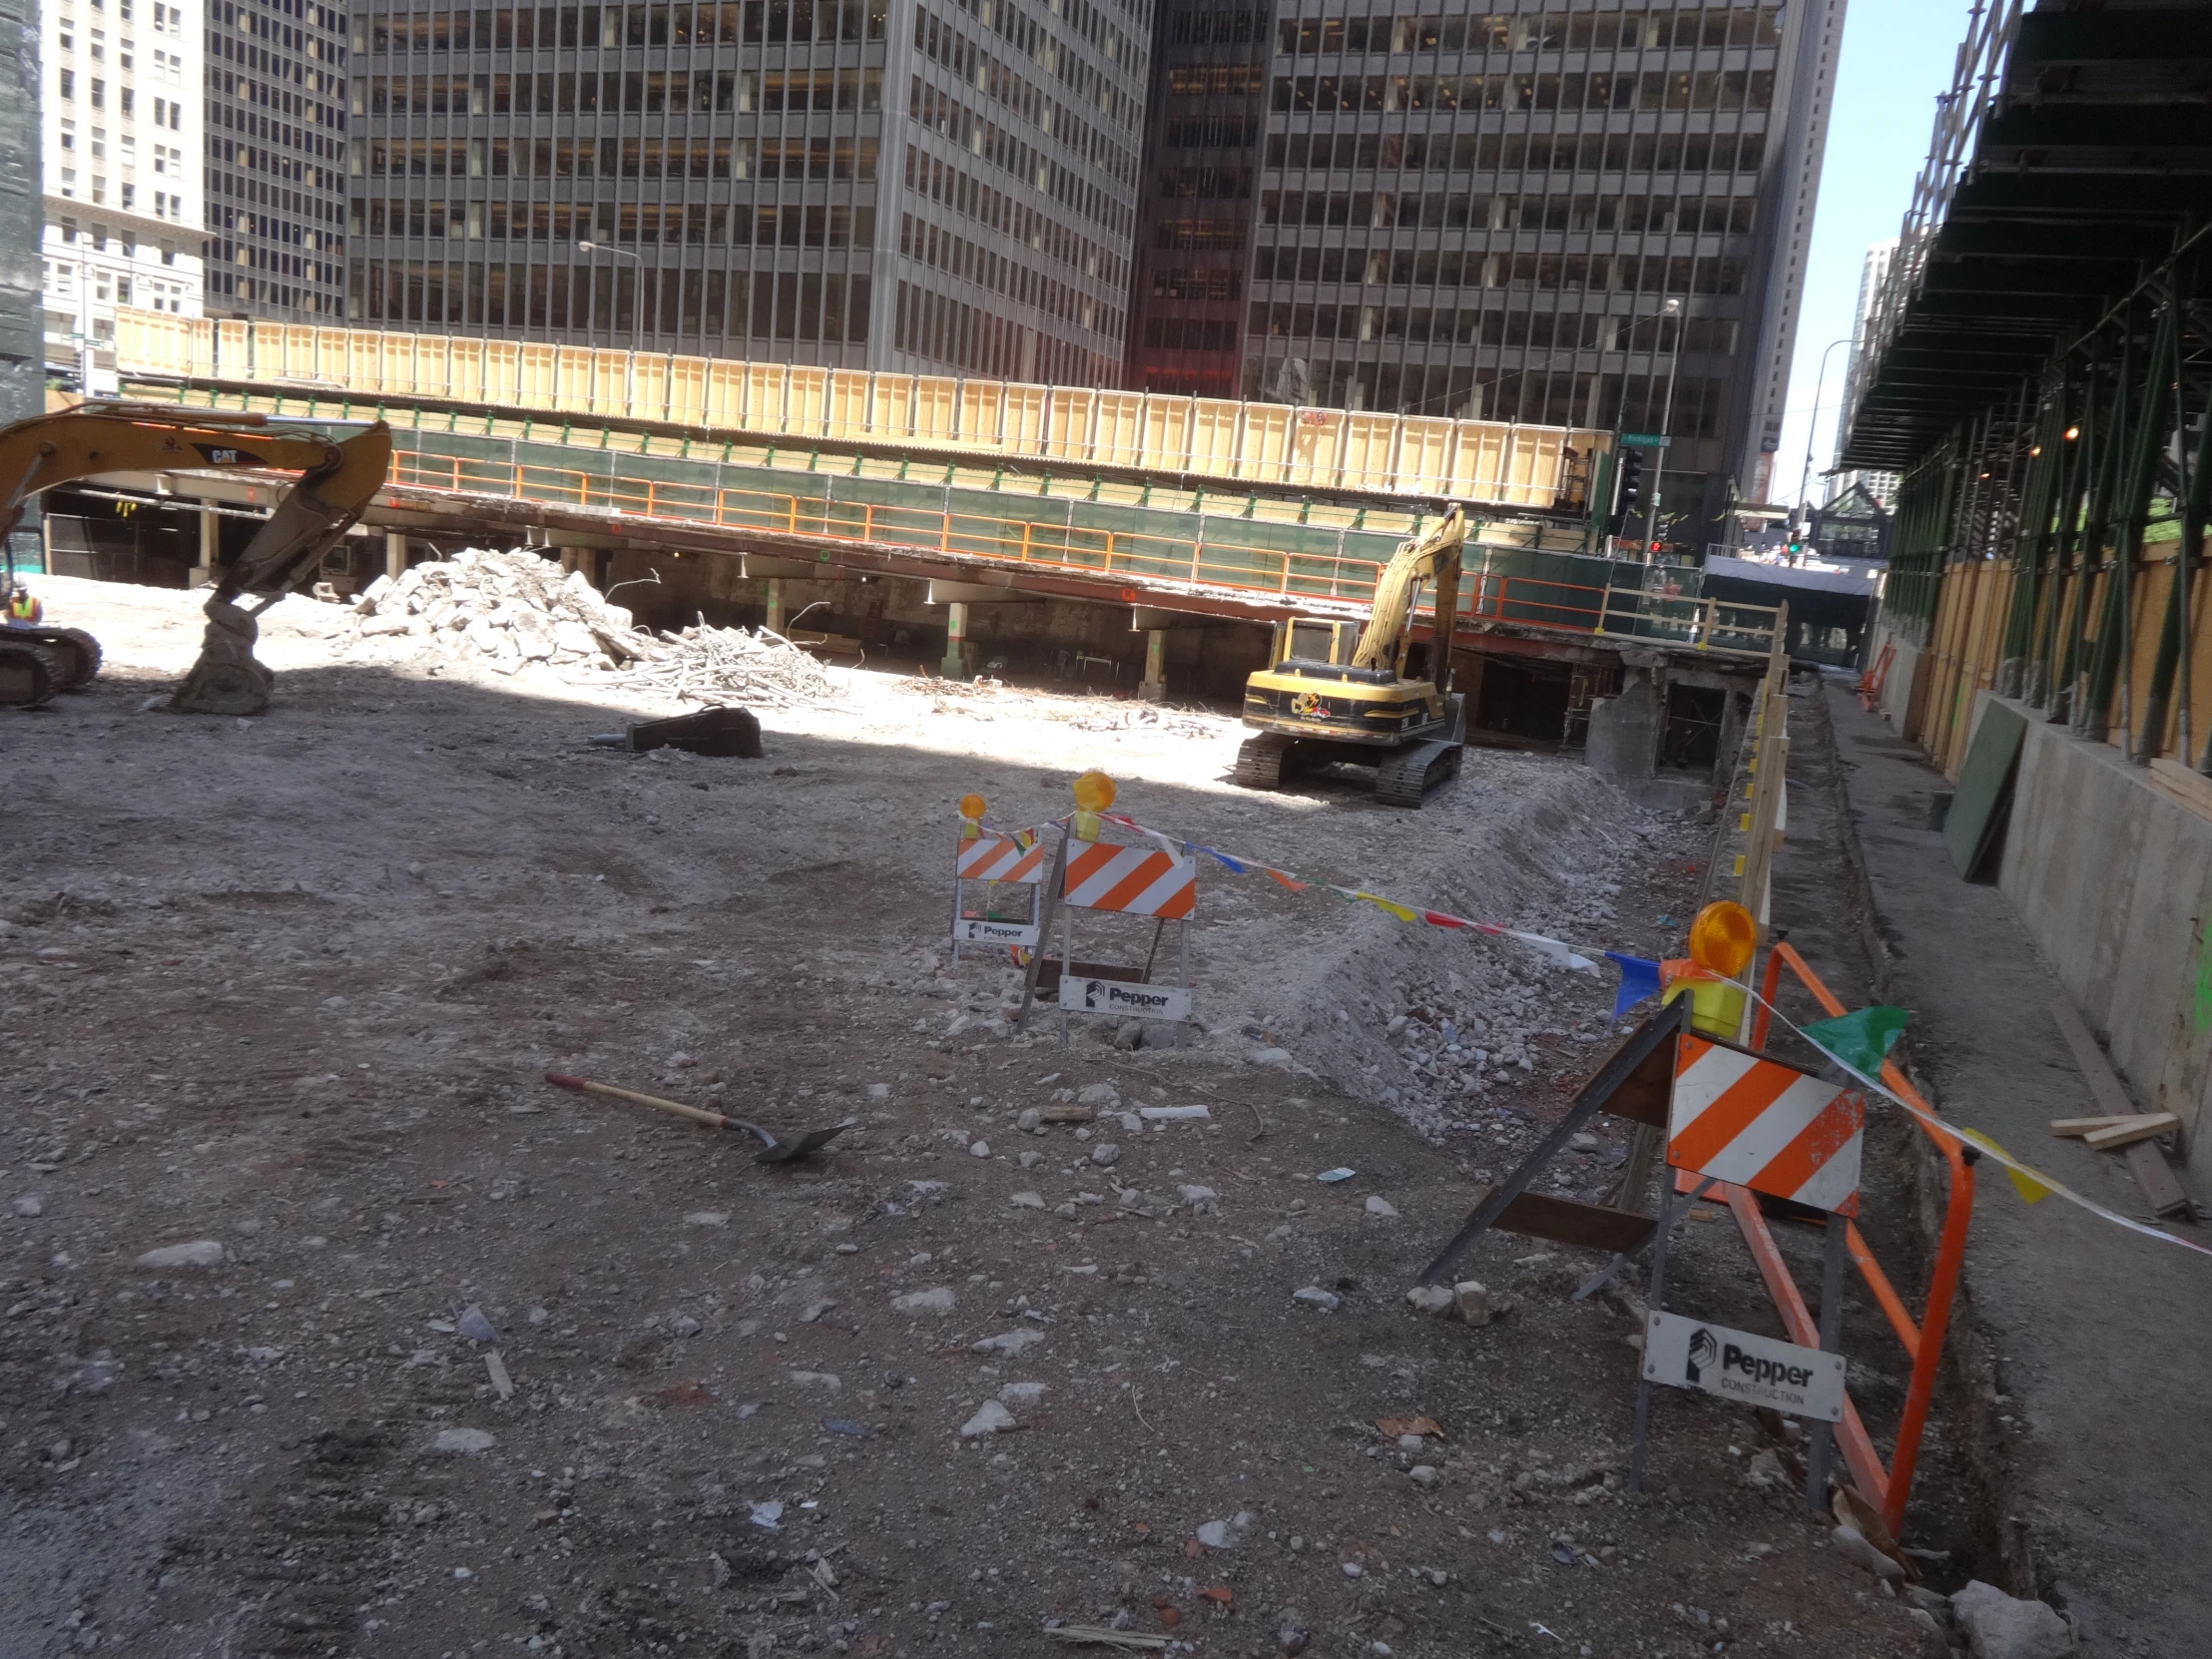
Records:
x=2113, y=878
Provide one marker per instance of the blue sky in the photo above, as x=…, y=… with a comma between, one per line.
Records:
x=1897, y=56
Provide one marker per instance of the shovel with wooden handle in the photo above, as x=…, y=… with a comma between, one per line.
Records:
x=775, y=1149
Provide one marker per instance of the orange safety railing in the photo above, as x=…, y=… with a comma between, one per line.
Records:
x=1922, y=1340
x=1524, y=599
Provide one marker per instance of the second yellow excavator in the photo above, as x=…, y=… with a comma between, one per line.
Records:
x=338, y=479
x=1337, y=691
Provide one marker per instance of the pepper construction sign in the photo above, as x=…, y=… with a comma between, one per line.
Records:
x=1756, y=1370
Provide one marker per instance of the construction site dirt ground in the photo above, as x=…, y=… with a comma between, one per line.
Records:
x=290, y=986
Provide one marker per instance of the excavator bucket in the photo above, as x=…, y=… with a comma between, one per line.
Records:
x=287, y=549
x=225, y=680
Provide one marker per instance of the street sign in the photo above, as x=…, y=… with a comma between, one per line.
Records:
x=1645, y=440
x=1735, y=1365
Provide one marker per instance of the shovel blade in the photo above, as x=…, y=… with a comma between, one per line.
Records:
x=782, y=1149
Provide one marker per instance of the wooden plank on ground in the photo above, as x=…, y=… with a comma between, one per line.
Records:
x=2152, y=1173
x=2143, y=1128
x=2082, y=1126
x=1566, y=1221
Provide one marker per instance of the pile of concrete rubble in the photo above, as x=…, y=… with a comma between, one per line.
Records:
x=509, y=610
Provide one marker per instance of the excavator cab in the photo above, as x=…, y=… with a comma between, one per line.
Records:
x=1337, y=690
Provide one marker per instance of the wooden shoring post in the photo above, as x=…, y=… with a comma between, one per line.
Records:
x=2136, y=472
x=2017, y=675
x=2087, y=537
x=2073, y=416
x=2173, y=634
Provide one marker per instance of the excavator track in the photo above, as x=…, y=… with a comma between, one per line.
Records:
x=1259, y=760
x=25, y=680
x=85, y=650
x=1405, y=779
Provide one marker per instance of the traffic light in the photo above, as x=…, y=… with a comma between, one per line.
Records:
x=1630, y=489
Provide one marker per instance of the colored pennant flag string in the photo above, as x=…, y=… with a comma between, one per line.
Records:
x=1565, y=955
x=1403, y=913
x=2017, y=1172
x=1639, y=980
x=1859, y=1041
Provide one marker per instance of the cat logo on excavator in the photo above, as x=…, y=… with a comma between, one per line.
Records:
x=1309, y=706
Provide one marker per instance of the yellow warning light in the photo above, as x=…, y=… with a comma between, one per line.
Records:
x=972, y=807
x=1094, y=791
x=1723, y=938
x=2072, y=432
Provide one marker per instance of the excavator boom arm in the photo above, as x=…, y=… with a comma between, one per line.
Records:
x=338, y=479
x=1418, y=558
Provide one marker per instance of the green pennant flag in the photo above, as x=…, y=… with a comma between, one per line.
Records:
x=1862, y=1041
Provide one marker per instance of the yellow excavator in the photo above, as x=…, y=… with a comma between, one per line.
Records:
x=1336, y=691
x=338, y=479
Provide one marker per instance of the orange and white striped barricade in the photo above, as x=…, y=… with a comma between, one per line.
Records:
x=1738, y=1119
x=1143, y=878
x=998, y=860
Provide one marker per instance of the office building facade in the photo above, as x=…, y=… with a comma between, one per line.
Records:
x=276, y=74
x=926, y=185
x=120, y=114
x=1872, y=273
x=1487, y=215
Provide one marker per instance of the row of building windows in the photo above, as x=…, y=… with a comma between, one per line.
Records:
x=1538, y=397
x=272, y=127
x=1210, y=132
x=971, y=197
x=626, y=223
x=1461, y=209
x=941, y=114
x=247, y=224
x=986, y=268
x=1457, y=268
x=1018, y=26
x=949, y=331
x=616, y=304
x=945, y=44
x=242, y=289
x=1702, y=89
x=611, y=28
x=1589, y=272
x=1195, y=283
x=1202, y=235
x=1470, y=325
x=1522, y=151
x=1216, y=80
x=316, y=201
x=1714, y=26
x=264, y=60
x=631, y=92
x=1203, y=184
x=617, y=158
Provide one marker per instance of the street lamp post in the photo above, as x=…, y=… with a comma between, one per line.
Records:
x=1666, y=433
x=637, y=309
x=1813, y=421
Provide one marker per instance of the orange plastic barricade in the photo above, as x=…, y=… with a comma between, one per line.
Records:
x=1869, y=682
x=1923, y=1341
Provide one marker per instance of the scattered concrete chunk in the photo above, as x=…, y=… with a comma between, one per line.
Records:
x=938, y=1300
x=200, y=1253
x=1999, y=1626
x=1315, y=1296
x=989, y=1419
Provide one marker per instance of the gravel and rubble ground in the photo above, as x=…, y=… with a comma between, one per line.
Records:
x=282, y=992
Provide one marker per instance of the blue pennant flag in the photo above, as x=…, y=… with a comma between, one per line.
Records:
x=1639, y=980
x=1223, y=859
